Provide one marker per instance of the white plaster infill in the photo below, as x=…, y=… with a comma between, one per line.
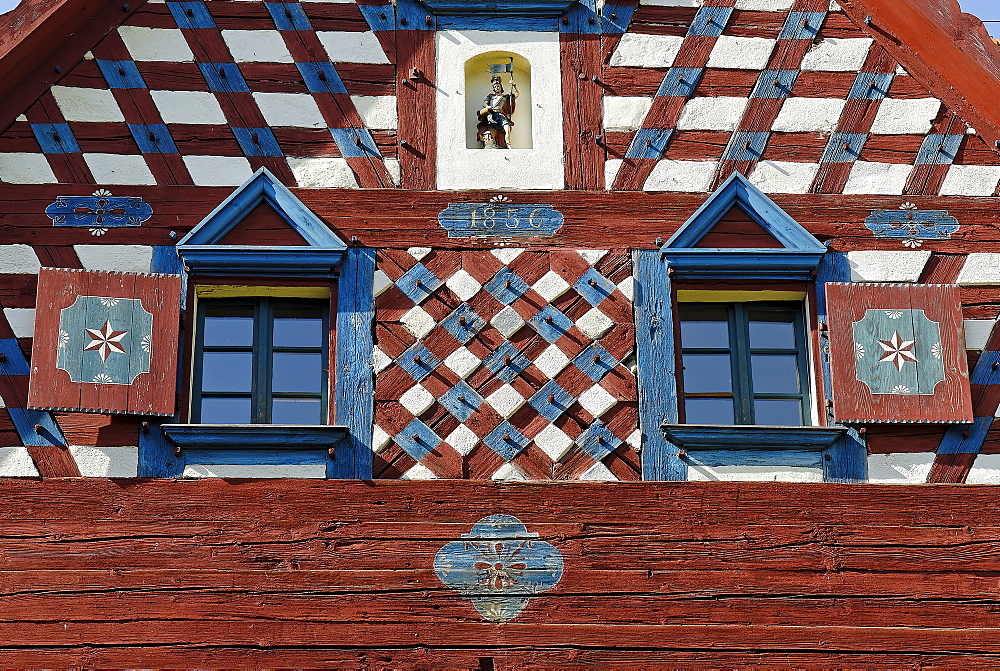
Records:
x=899, y=468
x=540, y=167
x=887, y=266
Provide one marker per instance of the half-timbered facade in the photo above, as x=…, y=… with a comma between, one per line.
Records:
x=678, y=240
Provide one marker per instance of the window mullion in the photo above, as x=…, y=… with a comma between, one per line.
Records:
x=261, y=405
x=742, y=383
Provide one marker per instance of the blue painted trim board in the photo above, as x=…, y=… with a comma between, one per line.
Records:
x=802, y=25
x=615, y=19
x=122, y=74
x=379, y=17
x=55, y=138
x=255, y=457
x=24, y=420
x=848, y=456
x=649, y=143
x=680, y=82
x=871, y=86
x=746, y=145
x=355, y=378
x=848, y=460
x=14, y=362
x=243, y=437
x=795, y=458
x=224, y=77
x=257, y=141
x=939, y=149
x=844, y=147
x=191, y=14
x=156, y=454
x=153, y=138
x=321, y=78
x=956, y=442
x=655, y=366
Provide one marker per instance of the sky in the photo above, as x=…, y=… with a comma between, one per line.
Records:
x=987, y=10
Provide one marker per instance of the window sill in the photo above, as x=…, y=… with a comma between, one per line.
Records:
x=255, y=436
x=718, y=445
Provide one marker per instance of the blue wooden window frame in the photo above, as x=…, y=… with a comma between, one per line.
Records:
x=261, y=394
x=802, y=258
x=738, y=318
x=202, y=252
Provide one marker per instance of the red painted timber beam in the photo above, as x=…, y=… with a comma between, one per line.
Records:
x=41, y=40
x=948, y=51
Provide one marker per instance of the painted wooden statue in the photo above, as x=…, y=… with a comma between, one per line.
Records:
x=495, y=121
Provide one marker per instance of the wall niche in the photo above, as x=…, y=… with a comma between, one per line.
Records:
x=498, y=118
x=535, y=157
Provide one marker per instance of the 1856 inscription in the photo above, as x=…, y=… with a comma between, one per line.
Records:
x=499, y=219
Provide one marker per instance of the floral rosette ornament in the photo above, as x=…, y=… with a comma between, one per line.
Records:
x=499, y=566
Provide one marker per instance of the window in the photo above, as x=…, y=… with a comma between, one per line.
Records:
x=744, y=363
x=261, y=361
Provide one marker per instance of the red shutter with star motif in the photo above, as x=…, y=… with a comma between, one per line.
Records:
x=105, y=342
x=897, y=353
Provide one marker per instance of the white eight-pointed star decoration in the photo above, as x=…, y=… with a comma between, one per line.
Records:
x=105, y=340
x=897, y=351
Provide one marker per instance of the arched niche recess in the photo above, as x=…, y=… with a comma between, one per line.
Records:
x=478, y=86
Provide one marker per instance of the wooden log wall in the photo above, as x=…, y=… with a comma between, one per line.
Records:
x=296, y=573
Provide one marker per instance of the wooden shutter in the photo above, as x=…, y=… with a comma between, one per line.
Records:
x=105, y=342
x=898, y=353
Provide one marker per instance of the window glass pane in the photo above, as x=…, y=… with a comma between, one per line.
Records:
x=707, y=373
x=705, y=334
x=228, y=331
x=228, y=324
x=777, y=412
x=297, y=372
x=225, y=410
x=297, y=411
x=708, y=410
x=226, y=371
x=772, y=330
x=298, y=326
x=775, y=373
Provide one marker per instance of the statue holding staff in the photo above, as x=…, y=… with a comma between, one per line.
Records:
x=498, y=108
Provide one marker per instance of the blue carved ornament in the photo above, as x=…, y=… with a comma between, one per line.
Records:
x=101, y=210
x=499, y=566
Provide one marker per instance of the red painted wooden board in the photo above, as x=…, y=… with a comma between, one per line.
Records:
x=334, y=574
x=898, y=353
x=125, y=362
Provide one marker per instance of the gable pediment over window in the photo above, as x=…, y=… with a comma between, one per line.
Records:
x=262, y=229
x=740, y=233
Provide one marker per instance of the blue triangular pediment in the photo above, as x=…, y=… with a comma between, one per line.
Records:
x=262, y=187
x=800, y=252
x=738, y=191
x=202, y=250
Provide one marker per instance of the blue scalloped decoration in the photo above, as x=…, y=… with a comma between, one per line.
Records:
x=99, y=211
x=912, y=224
x=499, y=566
